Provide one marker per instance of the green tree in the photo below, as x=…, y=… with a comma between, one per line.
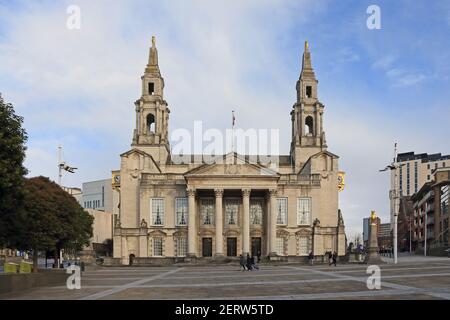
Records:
x=12, y=171
x=51, y=219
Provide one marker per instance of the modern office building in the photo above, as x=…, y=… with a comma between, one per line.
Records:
x=98, y=195
x=415, y=170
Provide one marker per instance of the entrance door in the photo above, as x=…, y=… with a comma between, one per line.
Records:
x=231, y=247
x=207, y=247
x=256, y=247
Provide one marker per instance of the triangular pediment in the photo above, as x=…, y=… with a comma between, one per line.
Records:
x=321, y=161
x=231, y=165
x=147, y=164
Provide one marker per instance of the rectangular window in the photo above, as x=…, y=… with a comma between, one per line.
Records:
x=304, y=211
x=157, y=205
x=181, y=247
x=103, y=196
x=445, y=197
x=280, y=246
x=256, y=211
x=207, y=211
x=401, y=180
x=309, y=91
x=151, y=88
x=181, y=209
x=157, y=247
x=407, y=178
x=304, y=246
x=282, y=211
x=415, y=177
x=231, y=211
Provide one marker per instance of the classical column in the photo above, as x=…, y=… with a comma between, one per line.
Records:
x=192, y=225
x=219, y=222
x=246, y=221
x=273, y=222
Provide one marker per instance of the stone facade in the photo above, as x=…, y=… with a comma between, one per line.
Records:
x=184, y=211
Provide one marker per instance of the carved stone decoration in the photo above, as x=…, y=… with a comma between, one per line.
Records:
x=231, y=169
x=246, y=192
x=218, y=193
x=143, y=223
x=273, y=192
x=135, y=174
x=190, y=192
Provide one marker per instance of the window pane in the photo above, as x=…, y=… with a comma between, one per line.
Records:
x=158, y=211
x=280, y=246
x=207, y=211
x=304, y=246
x=181, y=247
x=157, y=247
x=181, y=207
x=281, y=210
x=304, y=211
x=256, y=207
x=231, y=211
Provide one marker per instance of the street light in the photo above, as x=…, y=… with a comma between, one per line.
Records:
x=394, y=194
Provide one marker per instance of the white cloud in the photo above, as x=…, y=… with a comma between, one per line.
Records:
x=403, y=78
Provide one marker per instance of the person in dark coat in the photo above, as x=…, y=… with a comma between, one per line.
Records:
x=311, y=258
x=242, y=262
x=249, y=262
x=334, y=258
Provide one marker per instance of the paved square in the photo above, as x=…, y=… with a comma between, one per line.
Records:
x=416, y=279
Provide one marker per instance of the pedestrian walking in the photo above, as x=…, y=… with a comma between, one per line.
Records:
x=311, y=258
x=334, y=258
x=249, y=263
x=242, y=262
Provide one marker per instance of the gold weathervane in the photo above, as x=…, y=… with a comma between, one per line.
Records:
x=153, y=41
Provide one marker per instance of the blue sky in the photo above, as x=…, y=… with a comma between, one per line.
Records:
x=77, y=87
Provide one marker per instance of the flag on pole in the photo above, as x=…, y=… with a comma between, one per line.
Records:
x=234, y=118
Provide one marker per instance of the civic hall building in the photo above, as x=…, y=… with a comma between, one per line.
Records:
x=172, y=211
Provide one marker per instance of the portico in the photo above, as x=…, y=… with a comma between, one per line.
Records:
x=234, y=188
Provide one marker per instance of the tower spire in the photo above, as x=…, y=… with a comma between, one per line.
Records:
x=307, y=70
x=152, y=66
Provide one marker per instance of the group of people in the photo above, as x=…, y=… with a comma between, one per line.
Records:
x=248, y=263
x=332, y=257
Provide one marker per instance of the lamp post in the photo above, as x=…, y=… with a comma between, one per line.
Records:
x=394, y=194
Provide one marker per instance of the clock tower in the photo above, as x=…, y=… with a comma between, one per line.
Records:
x=308, y=137
x=152, y=112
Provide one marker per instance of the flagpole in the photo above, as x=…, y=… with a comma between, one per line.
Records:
x=232, y=130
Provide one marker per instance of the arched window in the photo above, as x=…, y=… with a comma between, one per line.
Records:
x=309, y=125
x=151, y=123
